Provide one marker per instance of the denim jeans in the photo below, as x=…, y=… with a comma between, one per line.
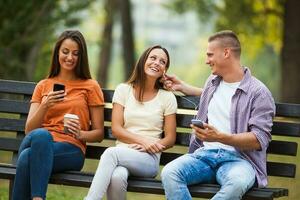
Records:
x=115, y=165
x=235, y=175
x=39, y=156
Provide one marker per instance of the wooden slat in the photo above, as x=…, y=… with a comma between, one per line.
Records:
x=167, y=157
x=288, y=110
x=183, y=121
x=183, y=139
x=281, y=169
x=94, y=152
x=107, y=114
x=283, y=148
x=12, y=124
x=16, y=87
x=10, y=144
x=13, y=106
x=108, y=133
x=108, y=95
x=187, y=102
x=286, y=129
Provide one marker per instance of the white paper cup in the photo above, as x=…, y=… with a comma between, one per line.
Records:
x=67, y=117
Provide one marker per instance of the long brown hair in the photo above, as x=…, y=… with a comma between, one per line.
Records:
x=82, y=69
x=137, y=78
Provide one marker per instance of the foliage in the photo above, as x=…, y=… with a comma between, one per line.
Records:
x=252, y=19
x=259, y=25
x=26, y=27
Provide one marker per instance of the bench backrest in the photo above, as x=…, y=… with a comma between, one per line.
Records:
x=14, y=107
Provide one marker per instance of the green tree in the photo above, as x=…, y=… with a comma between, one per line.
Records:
x=116, y=10
x=26, y=27
x=263, y=27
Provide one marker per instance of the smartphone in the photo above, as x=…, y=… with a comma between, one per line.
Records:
x=57, y=87
x=198, y=123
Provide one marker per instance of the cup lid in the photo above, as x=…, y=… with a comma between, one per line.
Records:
x=68, y=115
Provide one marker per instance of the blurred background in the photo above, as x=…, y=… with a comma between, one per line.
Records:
x=117, y=32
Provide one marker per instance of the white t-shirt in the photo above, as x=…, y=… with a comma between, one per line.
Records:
x=219, y=112
x=145, y=118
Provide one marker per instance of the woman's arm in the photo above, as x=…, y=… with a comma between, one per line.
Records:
x=170, y=131
x=35, y=117
x=37, y=111
x=96, y=134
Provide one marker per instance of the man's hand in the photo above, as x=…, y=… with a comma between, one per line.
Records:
x=172, y=83
x=208, y=134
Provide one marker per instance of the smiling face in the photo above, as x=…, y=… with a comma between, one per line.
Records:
x=68, y=55
x=215, y=57
x=156, y=63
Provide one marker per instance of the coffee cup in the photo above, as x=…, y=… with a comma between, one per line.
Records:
x=67, y=117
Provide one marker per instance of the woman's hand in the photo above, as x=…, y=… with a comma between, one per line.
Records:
x=53, y=97
x=137, y=147
x=152, y=147
x=73, y=126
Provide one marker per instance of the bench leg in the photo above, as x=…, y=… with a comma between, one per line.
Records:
x=11, y=186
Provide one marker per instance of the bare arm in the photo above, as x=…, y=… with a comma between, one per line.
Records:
x=96, y=133
x=170, y=131
x=37, y=111
x=243, y=141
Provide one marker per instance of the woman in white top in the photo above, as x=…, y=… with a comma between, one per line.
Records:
x=142, y=111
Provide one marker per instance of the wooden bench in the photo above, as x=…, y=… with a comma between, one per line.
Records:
x=14, y=106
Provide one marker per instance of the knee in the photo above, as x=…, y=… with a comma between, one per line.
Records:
x=108, y=153
x=168, y=174
x=239, y=185
x=41, y=136
x=23, y=160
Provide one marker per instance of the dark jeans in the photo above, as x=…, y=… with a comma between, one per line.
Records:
x=39, y=156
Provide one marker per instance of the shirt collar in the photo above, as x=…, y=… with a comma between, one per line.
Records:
x=244, y=85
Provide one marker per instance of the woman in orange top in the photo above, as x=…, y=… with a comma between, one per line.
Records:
x=47, y=148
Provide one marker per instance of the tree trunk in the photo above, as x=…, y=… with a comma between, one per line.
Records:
x=127, y=37
x=31, y=60
x=106, y=44
x=290, y=70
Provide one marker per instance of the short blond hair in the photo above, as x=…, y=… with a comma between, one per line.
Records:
x=228, y=38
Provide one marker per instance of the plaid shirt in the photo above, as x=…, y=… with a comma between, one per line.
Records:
x=252, y=110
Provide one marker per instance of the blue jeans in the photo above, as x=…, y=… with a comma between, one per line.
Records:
x=235, y=175
x=39, y=156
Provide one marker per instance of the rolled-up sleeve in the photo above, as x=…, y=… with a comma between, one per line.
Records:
x=261, y=120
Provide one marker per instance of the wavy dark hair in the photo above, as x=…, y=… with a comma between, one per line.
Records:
x=137, y=78
x=82, y=69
